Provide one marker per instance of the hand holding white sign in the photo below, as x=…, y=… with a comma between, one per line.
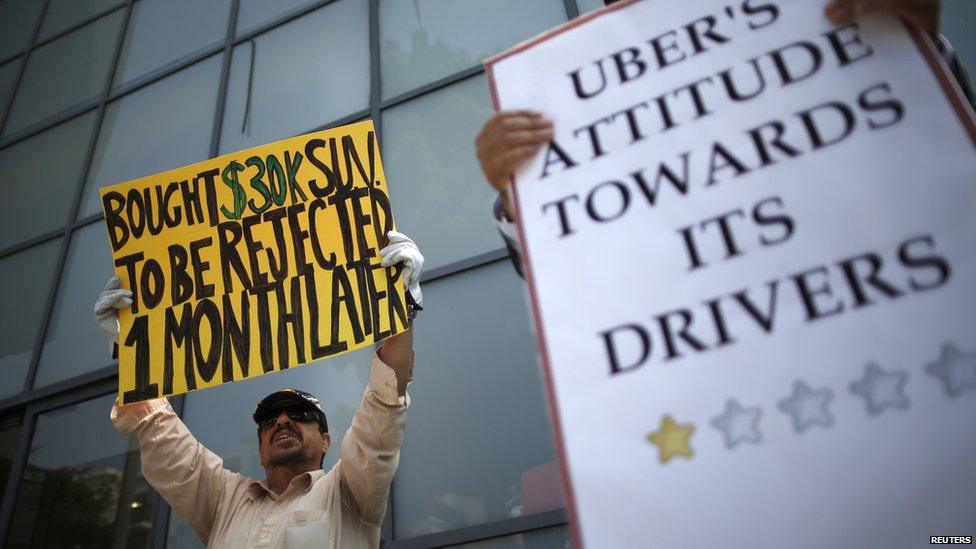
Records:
x=771, y=331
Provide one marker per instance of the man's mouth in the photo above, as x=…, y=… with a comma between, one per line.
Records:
x=284, y=434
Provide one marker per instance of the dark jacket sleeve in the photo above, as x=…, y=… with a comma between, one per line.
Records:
x=952, y=61
x=513, y=248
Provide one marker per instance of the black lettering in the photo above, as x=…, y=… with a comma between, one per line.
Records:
x=200, y=267
x=664, y=322
x=138, y=336
x=809, y=295
x=118, y=232
x=609, y=342
x=919, y=261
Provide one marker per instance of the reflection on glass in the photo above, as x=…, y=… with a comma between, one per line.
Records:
x=160, y=127
x=17, y=20
x=65, y=72
x=478, y=447
x=220, y=417
x=9, y=437
x=48, y=191
x=423, y=40
x=73, y=345
x=81, y=486
x=440, y=197
x=8, y=73
x=26, y=280
x=61, y=14
x=549, y=538
x=253, y=13
x=298, y=76
x=162, y=31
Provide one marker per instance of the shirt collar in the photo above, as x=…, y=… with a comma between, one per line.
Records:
x=305, y=480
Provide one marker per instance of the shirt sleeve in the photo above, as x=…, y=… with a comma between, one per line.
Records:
x=509, y=232
x=188, y=476
x=370, y=449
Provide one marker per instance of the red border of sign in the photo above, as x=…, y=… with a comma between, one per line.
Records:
x=922, y=41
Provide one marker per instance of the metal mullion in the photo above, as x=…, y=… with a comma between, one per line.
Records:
x=347, y=119
x=101, y=375
x=23, y=67
x=572, y=10
x=288, y=18
x=41, y=126
x=463, y=265
x=88, y=391
x=375, y=81
x=33, y=241
x=500, y=528
x=86, y=221
x=79, y=193
x=224, y=78
x=10, y=58
x=433, y=86
x=162, y=72
x=388, y=526
x=76, y=26
x=17, y=466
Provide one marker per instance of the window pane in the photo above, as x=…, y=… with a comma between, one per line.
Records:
x=220, y=417
x=17, y=20
x=38, y=178
x=26, y=280
x=586, y=6
x=549, y=538
x=958, y=23
x=8, y=73
x=305, y=74
x=253, y=13
x=163, y=31
x=81, y=486
x=73, y=345
x=9, y=440
x=62, y=14
x=65, y=72
x=423, y=40
x=478, y=446
x=440, y=197
x=160, y=127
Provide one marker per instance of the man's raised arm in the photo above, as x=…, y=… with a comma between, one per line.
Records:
x=188, y=476
x=370, y=449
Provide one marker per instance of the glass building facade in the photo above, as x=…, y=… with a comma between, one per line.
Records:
x=94, y=92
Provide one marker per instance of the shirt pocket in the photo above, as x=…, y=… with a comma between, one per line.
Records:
x=307, y=528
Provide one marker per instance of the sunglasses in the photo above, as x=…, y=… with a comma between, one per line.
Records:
x=303, y=416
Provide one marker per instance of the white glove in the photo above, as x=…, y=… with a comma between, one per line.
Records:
x=107, y=308
x=402, y=249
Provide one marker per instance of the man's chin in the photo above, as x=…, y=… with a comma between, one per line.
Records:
x=286, y=457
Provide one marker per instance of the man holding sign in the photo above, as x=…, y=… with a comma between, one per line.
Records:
x=248, y=264
x=299, y=504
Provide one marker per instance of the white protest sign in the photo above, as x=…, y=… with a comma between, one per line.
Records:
x=750, y=252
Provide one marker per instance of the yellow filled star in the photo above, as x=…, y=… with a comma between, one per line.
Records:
x=672, y=439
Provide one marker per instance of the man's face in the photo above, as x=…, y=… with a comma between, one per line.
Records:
x=289, y=442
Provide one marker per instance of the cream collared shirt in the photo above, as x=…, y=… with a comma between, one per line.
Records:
x=340, y=508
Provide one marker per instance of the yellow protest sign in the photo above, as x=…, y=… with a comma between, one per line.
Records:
x=253, y=262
